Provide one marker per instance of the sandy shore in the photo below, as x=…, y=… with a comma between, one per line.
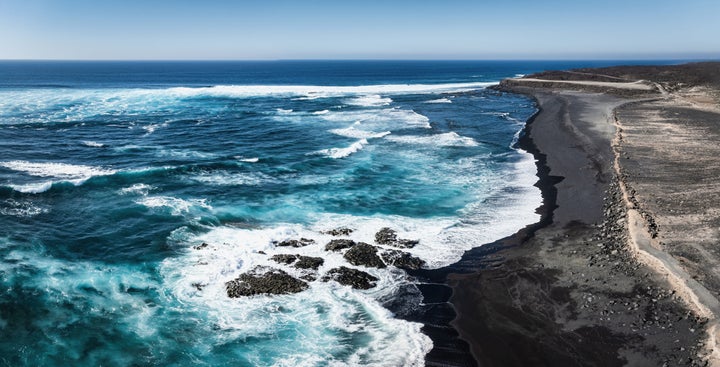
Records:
x=623, y=268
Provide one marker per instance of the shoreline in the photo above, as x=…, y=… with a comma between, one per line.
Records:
x=573, y=289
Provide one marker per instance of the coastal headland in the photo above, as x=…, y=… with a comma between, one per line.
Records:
x=623, y=268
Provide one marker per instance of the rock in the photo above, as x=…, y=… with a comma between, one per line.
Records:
x=355, y=278
x=264, y=280
x=303, y=262
x=286, y=259
x=337, y=245
x=201, y=246
x=296, y=243
x=387, y=236
x=309, y=262
x=342, y=231
x=402, y=260
x=365, y=255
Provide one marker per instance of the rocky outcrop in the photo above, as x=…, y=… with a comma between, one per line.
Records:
x=296, y=243
x=388, y=237
x=355, y=278
x=363, y=254
x=264, y=280
x=286, y=259
x=309, y=262
x=337, y=245
x=402, y=260
x=301, y=262
x=342, y=231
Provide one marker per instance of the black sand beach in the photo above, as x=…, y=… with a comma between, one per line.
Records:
x=620, y=271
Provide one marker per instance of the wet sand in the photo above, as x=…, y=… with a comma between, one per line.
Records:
x=622, y=269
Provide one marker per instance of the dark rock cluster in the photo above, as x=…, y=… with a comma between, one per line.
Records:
x=301, y=262
x=387, y=236
x=337, y=245
x=266, y=280
x=363, y=254
x=296, y=243
x=263, y=280
x=357, y=279
x=402, y=260
x=342, y=231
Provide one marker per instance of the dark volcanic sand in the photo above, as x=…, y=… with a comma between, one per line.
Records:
x=568, y=291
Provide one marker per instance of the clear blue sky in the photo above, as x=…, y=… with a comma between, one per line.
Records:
x=349, y=29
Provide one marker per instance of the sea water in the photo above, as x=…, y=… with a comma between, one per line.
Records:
x=111, y=173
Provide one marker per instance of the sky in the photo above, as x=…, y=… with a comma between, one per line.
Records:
x=365, y=29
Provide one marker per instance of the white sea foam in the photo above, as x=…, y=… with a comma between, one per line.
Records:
x=75, y=174
x=224, y=178
x=56, y=170
x=33, y=188
x=21, y=208
x=98, y=289
x=372, y=100
x=92, y=144
x=248, y=160
x=310, y=91
x=337, y=153
x=323, y=112
x=283, y=111
x=450, y=139
x=352, y=132
x=440, y=100
x=176, y=206
x=381, y=119
x=137, y=189
x=326, y=310
x=183, y=154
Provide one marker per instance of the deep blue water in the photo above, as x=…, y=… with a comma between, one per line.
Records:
x=110, y=173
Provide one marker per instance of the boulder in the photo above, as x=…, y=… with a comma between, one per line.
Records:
x=365, y=255
x=264, y=280
x=387, y=236
x=337, y=245
x=309, y=262
x=402, y=260
x=296, y=243
x=342, y=231
x=286, y=259
x=355, y=278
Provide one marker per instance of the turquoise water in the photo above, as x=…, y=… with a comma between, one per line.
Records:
x=110, y=173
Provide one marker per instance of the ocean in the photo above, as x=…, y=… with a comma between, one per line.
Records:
x=131, y=192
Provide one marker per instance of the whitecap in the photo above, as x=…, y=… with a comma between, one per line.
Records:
x=352, y=132
x=92, y=144
x=176, y=206
x=373, y=100
x=21, y=208
x=33, y=188
x=248, y=160
x=57, y=170
x=337, y=153
x=323, y=112
x=440, y=100
x=283, y=111
x=137, y=189
x=381, y=119
x=450, y=139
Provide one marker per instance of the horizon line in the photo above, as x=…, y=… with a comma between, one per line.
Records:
x=699, y=59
